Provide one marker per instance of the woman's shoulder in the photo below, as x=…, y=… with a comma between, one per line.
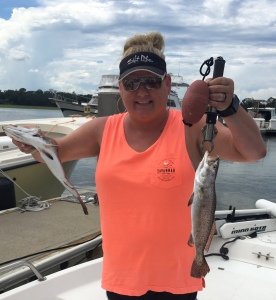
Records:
x=99, y=124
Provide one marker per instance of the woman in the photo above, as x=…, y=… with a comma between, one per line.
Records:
x=145, y=174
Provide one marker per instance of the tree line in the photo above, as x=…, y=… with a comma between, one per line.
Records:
x=43, y=98
x=36, y=98
x=250, y=102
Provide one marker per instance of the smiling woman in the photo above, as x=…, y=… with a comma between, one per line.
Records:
x=140, y=204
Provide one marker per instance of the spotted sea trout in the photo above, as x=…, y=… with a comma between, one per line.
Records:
x=47, y=151
x=203, y=201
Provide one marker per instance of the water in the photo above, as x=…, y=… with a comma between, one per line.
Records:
x=238, y=184
x=10, y=114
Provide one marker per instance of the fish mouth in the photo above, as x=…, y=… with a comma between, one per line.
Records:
x=18, y=130
x=213, y=163
x=213, y=160
x=210, y=160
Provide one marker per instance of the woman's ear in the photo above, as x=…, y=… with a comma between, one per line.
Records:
x=120, y=87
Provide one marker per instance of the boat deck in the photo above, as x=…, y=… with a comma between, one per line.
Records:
x=64, y=223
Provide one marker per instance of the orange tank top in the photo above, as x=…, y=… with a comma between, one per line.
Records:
x=145, y=217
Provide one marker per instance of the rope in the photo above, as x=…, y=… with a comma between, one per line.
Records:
x=208, y=62
x=7, y=176
x=30, y=203
x=66, y=122
x=60, y=123
x=223, y=251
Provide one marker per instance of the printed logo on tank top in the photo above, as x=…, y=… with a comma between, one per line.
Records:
x=166, y=170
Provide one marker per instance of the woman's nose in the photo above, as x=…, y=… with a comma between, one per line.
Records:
x=142, y=90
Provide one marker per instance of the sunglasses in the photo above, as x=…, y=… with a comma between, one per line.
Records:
x=151, y=83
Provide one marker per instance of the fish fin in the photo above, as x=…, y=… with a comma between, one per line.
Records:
x=191, y=241
x=200, y=193
x=191, y=200
x=199, y=268
x=47, y=154
x=212, y=232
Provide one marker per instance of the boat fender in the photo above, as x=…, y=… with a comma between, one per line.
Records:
x=265, y=204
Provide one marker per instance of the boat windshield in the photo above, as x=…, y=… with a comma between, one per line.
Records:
x=108, y=81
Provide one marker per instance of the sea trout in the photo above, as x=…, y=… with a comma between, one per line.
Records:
x=203, y=202
x=47, y=151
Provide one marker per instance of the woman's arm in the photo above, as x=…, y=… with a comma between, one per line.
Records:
x=81, y=143
x=240, y=140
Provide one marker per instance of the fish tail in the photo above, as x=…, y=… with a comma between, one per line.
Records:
x=84, y=207
x=69, y=186
x=199, y=268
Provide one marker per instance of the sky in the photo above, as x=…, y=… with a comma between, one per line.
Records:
x=66, y=45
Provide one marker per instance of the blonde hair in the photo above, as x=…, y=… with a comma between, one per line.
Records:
x=149, y=42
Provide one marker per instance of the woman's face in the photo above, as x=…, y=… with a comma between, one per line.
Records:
x=144, y=102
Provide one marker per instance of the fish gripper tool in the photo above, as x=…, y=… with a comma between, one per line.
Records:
x=209, y=131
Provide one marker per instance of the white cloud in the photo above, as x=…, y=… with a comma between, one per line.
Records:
x=18, y=53
x=69, y=44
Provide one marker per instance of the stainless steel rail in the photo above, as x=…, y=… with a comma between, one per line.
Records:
x=23, y=263
x=20, y=275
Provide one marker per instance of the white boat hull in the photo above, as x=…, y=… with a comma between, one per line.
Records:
x=69, y=108
x=36, y=178
x=28, y=175
x=227, y=280
x=248, y=273
x=235, y=280
x=82, y=282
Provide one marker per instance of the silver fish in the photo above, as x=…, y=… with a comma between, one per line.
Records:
x=47, y=151
x=203, y=202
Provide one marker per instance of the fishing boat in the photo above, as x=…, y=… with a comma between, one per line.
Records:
x=21, y=174
x=242, y=261
x=79, y=106
x=173, y=100
x=264, y=116
x=108, y=91
x=106, y=100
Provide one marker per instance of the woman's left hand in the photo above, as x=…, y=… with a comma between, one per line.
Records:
x=24, y=147
x=221, y=90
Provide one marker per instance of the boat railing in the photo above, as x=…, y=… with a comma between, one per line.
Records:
x=19, y=275
x=23, y=263
x=74, y=98
x=243, y=212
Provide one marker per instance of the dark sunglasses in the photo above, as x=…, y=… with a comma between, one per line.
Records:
x=151, y=83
